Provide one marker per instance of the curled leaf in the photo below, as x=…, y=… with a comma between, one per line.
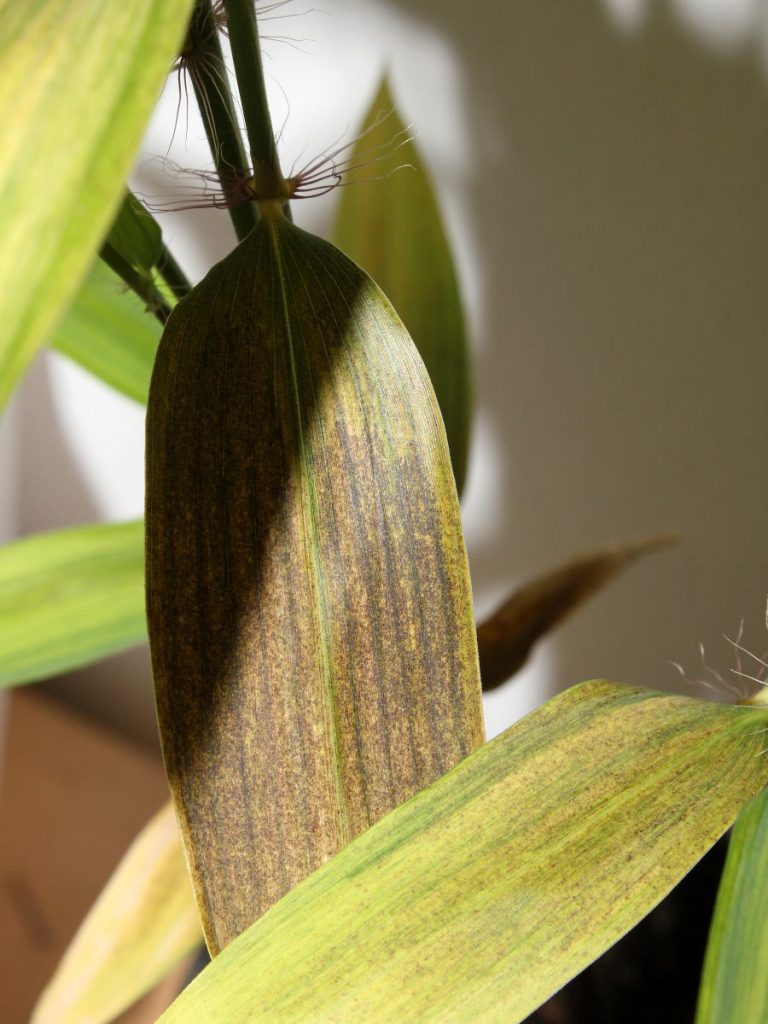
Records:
x=143, y=924
x=309, y=604
x=506, y=638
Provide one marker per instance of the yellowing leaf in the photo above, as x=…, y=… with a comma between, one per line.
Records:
x=78, y=79
x=506, y=638
x=734, y=985
x=485, y=893
x=309, y=603
x=142, y=924
x=392, y=227
x=70, y=597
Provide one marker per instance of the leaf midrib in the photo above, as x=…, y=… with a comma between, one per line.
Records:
x=312, y=542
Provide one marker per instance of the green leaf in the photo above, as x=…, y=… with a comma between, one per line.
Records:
x=309, y=605
x=78, y=80
x=507, y=637
x=392, y=227
x=734, y=985
x=484, y=894
x=108, y=331
x=142, y=925
x=136, y=235
x=68, y=598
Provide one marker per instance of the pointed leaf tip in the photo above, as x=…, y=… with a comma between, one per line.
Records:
x=393, y=228
x=507, y=637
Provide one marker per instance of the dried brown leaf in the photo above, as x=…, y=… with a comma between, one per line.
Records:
x=506, y=639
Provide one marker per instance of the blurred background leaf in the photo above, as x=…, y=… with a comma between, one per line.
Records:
x=70, y=597
x=108, y=331
x=78, y=80
x=391, y=225
x=143, y=923
x=506, y=638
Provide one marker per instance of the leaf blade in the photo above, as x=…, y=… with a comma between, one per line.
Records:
x=301, y=512
x=68, y=598
x=482, y=895
x=734, y=986
x=143, y=923
x=507, y=637
x=109, y=333
x=392, y=227
x=64, y=64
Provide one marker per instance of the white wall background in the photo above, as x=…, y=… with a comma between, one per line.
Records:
x=605, y=168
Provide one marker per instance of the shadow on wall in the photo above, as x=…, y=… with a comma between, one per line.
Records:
x=620, y=203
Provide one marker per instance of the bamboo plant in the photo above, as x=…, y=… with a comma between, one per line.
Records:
x=338, y=834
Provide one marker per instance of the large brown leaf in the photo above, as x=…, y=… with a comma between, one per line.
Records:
x=309, y=604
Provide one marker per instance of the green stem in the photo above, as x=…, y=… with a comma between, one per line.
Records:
x=210, y=81
x=172, y=274
x=145, y=289
x=246, y=54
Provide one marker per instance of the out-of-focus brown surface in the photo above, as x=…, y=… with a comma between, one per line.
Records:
x=72, y=797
